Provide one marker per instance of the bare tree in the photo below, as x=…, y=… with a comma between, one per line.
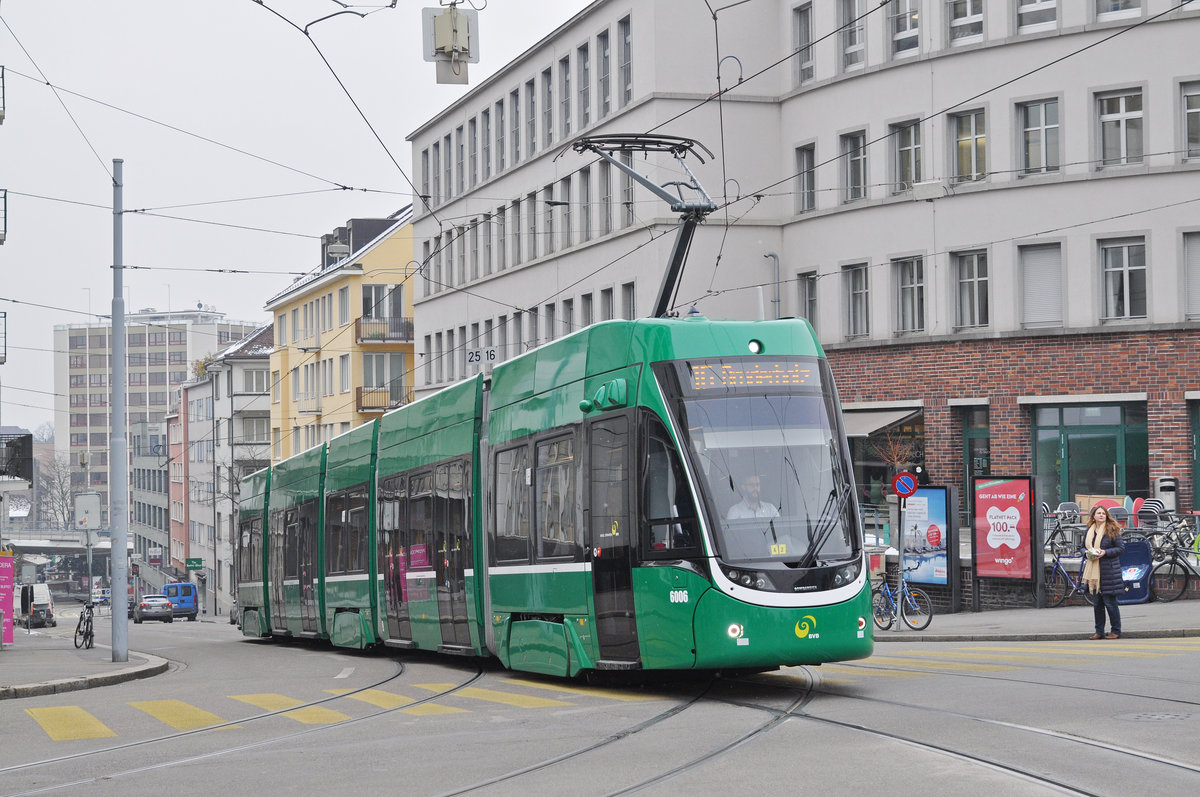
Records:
x=898, y=450
x=55, y=493
x=44, y=433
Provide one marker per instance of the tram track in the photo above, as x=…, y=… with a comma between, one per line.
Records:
x=400, y=670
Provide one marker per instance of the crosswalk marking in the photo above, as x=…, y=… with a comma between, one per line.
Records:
x=902, y=660
x=493, y=696
x=611, y=694
x=1018, y=658
x=867, y=670
x=311, y=715
x=391, y=700
x=179, y=715
x=69, y=723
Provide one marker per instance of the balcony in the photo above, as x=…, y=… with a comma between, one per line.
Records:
x=390, y=329
x=309, y=405
x=381, y=399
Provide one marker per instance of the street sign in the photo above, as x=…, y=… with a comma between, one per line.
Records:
x=905, y=484
x=195, y=564
x=88, y=514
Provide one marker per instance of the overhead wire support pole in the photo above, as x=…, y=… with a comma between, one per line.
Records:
x=118, y=491
x=691, y=212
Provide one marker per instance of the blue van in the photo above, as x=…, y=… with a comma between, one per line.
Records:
x=182, y=596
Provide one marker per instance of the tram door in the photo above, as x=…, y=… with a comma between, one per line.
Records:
x=611, y=531
x=393, y=554
x=452, y=543
x=308, y=566
x=279, y=522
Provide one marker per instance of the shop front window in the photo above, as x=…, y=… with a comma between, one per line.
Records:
x=1083, y=452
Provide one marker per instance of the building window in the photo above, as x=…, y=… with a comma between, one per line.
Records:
x=972, y=271
x=514, y=110
x=1121, y=128
x=806, y=178
x=857, y=309
x=905, y=22
x=1191, y=266
x=500, y=136
x=516, y=232
x=907, y=138
x=548, y=106
x=802, y=27
x=625, y=77
x=564, y=95
x=548, y=221
x=449, y=166
x=606, y=198
x=628, y=304
x=1116, y=9
x=485, y=153
x=854, y=47
x=965, y=18
x=585, y=204
x=1039, y=148
x=910, y=281
x=1191, y=120
x=437, y=174
x=606, y=304
x=531, y=215
x=254, y=380
x=1124, y=266
x=474, y=258
x=854, y=170
x=344, y=373
x=460, y=148
x=564, y=199
x=548, y=317
x=473, y=152
x=1041, y=285
x=424, y=174
x=531, y=117
x=603, y=78
x=970, y=140
x=1034, y=14
x=501, y=240
x=627, y=214
x=583, y=64
x=807, y=294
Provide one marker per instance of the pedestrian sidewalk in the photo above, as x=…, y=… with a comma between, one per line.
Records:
x=44, y=661
x=1143, y=620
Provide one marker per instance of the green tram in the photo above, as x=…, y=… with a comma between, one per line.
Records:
x=651, y=494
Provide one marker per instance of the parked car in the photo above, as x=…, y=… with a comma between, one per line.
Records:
x=153, y=607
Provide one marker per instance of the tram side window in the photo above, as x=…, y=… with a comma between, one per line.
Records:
x=393, y=518
x=512, y=505
x=420, y=521
x=345, y=531
x=308, y=539
x=335, y=525
x=458, y=494
x=558, y=507
x=291, y=544
x=668, y=509
x=250, y=562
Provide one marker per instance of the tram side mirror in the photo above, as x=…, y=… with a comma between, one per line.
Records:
x=611, y=395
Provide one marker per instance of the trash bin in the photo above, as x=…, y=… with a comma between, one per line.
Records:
x=1136, y=563
x=1165, y=489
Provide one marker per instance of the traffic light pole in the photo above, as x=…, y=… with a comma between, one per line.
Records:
x=118, y=494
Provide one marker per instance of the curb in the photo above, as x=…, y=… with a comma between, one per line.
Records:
x=154, y=665
x=917, y=636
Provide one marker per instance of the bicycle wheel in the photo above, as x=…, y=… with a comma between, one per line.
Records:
x=1057, y=588
x=79, y=634
x=918, y=609
x=89, y=635
x=881, y=609
x=1159, y=547
x=1168, y=580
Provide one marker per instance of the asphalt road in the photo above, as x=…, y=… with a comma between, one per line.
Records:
x=243, y=716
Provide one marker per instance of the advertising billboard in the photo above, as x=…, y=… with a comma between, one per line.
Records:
x=927, y=536
x=1003, y=539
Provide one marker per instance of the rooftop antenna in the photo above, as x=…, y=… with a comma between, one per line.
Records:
x=691, y=212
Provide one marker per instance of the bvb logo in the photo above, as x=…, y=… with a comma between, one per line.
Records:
x=803, y=628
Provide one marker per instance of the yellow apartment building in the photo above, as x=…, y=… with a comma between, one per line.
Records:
x=344, y=335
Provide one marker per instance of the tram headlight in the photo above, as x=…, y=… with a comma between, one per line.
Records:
x=846, y=574
x=749, y=579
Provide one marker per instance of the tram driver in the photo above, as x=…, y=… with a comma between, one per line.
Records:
x=751, y=506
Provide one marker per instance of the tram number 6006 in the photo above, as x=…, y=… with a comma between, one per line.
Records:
x=679, y=596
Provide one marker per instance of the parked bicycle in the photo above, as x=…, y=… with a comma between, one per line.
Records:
x=1169, y=578
x=84, y=632
x=1168, y=534
x=1061, y=585
x=917, y=608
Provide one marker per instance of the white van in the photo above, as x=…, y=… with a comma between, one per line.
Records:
x=37, y=605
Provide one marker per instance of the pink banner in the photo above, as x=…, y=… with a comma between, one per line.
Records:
x=1002, y=527
x=7, y=577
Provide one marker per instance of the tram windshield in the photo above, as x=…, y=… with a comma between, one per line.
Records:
x=765, y=438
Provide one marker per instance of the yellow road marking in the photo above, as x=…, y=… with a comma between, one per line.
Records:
x=1014, y=657
x=612, y=694
x=68, y=723
x=492, y=696
x=391, y=700
x=179, y=715
x=312, y=715
x=901, y=661
x=1091, y=648
x=865, y=670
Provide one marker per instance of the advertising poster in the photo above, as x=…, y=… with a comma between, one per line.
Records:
x=7, y=577
x=926, y=535
x=1003, y=529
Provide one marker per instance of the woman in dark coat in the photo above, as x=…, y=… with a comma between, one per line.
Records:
x=1103, y=547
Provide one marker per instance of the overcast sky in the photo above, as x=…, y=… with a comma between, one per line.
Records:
x=220, y=102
